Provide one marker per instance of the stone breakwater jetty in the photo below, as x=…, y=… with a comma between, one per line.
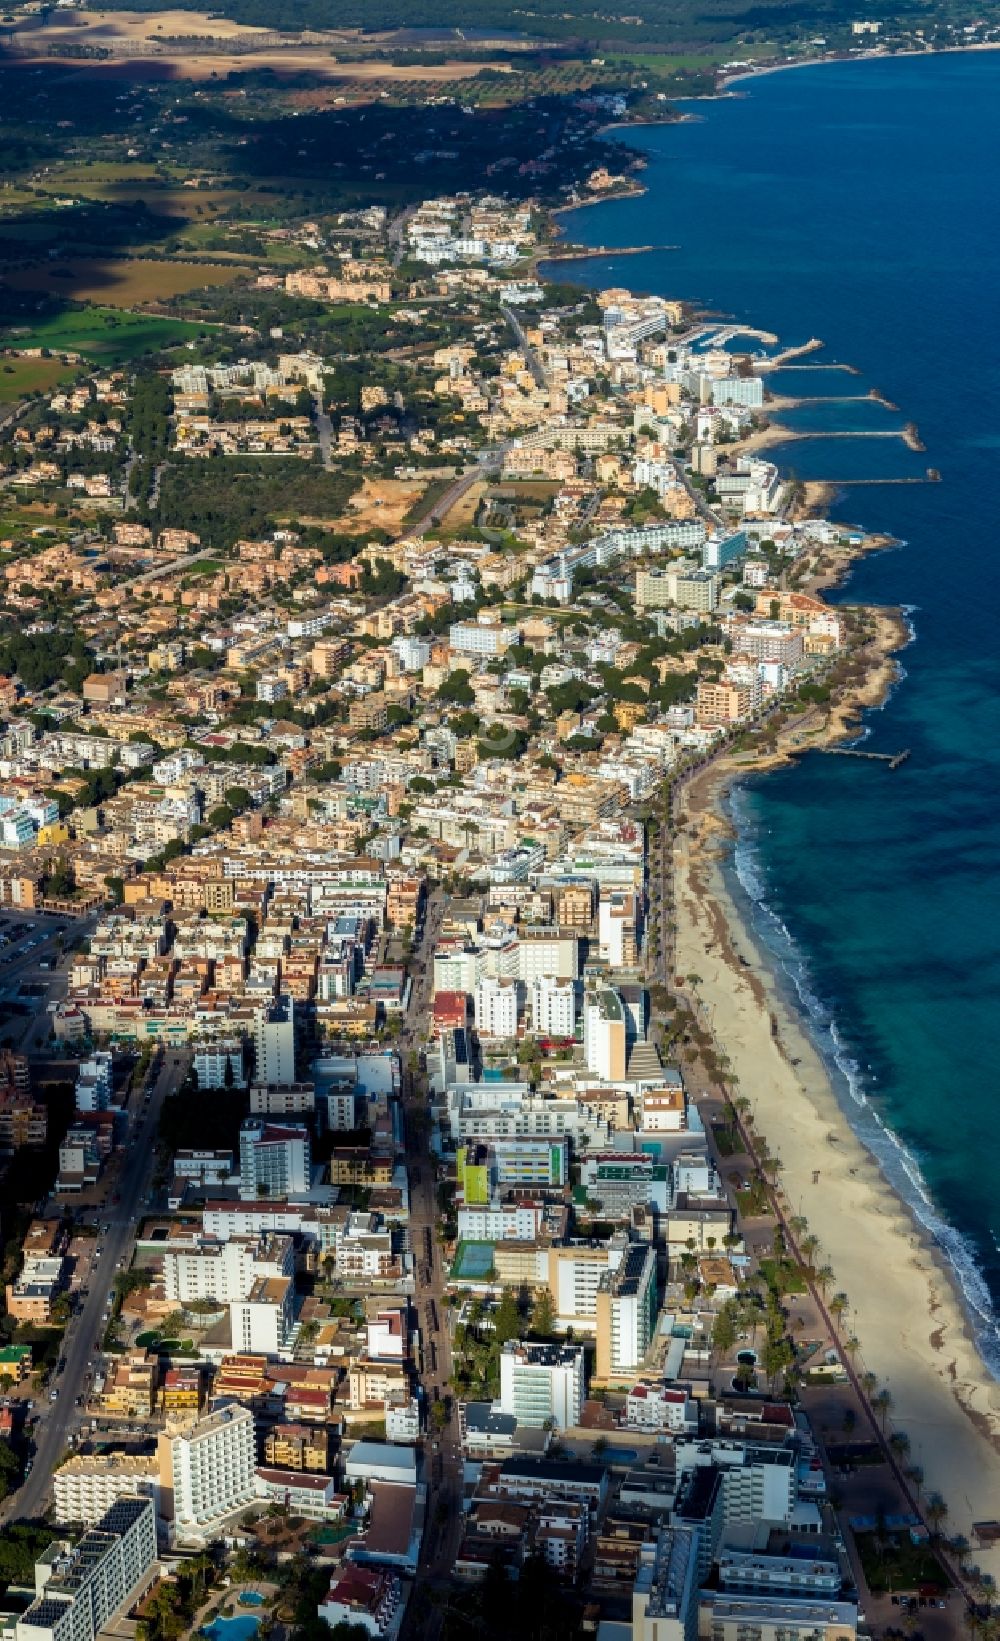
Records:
x=781, y=360
x=584, y=253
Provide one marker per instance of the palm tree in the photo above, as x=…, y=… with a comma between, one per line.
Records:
x=838, y=1305
x=935, y=1512
x=869, y=1383
x=899, y=1443
x=823, y=1278
x=798, y=1225
x=809, y=1247
x=959, y=1547
x=881, y=1403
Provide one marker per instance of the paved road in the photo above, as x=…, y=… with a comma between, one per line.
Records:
x=435, y=514
x=530, y=356
x=81, y=1341
x=28, y=1034
x=324, y=431
x=176, y=566
x=397, y=235
x=442, y=1449
x=488, y=463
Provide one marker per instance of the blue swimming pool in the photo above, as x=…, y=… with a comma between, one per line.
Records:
x=251, y=1598
x=232, y=1629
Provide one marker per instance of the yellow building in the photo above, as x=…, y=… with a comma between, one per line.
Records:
x=56, y=832
x=352, y=1166
x=297, y=1447
x=629, y=713
x=130, y=1387
x=181, y=1390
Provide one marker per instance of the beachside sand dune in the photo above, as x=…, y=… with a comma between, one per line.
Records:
x=905, y=1308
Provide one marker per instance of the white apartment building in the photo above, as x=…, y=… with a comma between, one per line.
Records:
x=663, y=1110
x=458, y=968
x=626, y=1312
x=81, y=1590
x=483, y=637
x=274, y=1044
x=542, y=1383
x=94, y=1082
x=389, y=1335
x=87, y=1486
x=604, y=1034
x=412, y=653
x=576, y=1272
x=660, y=1407
x=206, y=1167
x=519, y=1221
x=618, y=929
x=402, y=1422
x=363, y=1248
x=275, y=1159
x=312, y=1496
x=263, y=1321
x=225, y=1270
x=496, y=1007
x=215, y=1062
x=745, y=391
x=547, y=953
x=768, y=641
x=207, y=1471
x=282, y=1099
x=553, y=1006
x=758, y=1483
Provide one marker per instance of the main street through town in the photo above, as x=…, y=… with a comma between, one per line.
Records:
x=82, y=1340
x=442, y=1448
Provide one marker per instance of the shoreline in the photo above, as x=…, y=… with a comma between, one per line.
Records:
x=915, y=1321
x=722, y=89
x=916, y=1324
x=725, y=81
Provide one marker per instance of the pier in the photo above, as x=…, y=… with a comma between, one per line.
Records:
x=585, y=253
x=780, y=360
x=842, y=484
x=852, y=370
x=828, y=399
x=729, y=332
x=893, y=759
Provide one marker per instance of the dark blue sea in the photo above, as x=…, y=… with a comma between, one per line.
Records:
x=860, y=203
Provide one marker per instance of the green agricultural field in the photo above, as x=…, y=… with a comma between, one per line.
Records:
x=19, y=377
x=105, y=335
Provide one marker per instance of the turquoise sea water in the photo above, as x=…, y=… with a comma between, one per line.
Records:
x=858, y=202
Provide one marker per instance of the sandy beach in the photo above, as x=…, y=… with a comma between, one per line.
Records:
x=874, y=55
x=904, y=1302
